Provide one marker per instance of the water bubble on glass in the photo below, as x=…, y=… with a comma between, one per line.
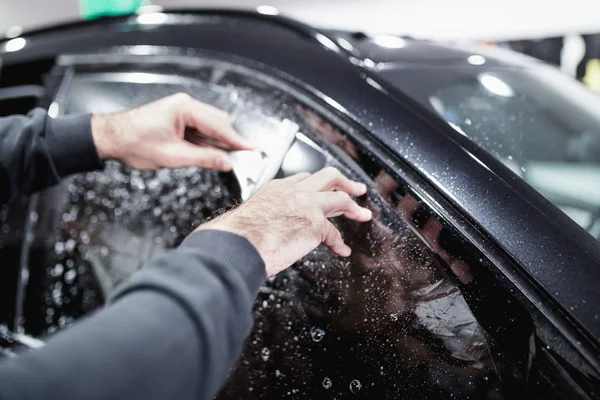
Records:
x=317, y=334
x=59, y=247
x=57, y=270
x=327, y=383
x=264, y=354
x=70, y=245
x=85, y=237
x=180, y=191
x=277, y=373
x=355, y=386
x=70, y=276
x=57, y=296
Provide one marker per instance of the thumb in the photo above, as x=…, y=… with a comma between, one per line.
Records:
x=184, y=154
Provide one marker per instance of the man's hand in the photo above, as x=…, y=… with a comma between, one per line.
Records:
x=288, y=218
x=154, y=135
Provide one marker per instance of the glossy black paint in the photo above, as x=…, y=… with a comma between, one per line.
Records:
x=557, y=263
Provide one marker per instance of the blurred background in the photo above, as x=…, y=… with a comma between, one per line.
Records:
x=564, y=33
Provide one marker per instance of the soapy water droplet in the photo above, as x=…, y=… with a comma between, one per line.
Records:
x=327, y=383
x=317, y=334
x=59, y=248
x=70, y=276
x=277, y=373
x=57, y=270
x=355, y=386
x=264, y=354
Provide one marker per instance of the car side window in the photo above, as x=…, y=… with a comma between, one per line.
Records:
x=390, y=321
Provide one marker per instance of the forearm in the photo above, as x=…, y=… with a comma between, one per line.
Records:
x=173, y=331
x=37, y=151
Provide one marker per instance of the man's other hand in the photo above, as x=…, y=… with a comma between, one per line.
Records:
x=173, y=132
x=288, y=218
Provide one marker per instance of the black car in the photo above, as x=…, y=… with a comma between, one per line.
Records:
x=478, y=277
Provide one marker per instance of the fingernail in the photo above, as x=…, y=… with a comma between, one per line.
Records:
x=368, y=213
x=223, y=164
x=361, y=186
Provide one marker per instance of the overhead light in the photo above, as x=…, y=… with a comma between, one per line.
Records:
x=325, y=41
x=53, y=110
x=345, y=44
x=267, y=10
x=476, y=59
x=367, y=62
x=334, y=104
x=13, y=31
x=152, y=18
x=142, y=77
x=390, y=42
x=457, y=128
x=15, y=44
x=142, y=50
x=149, y=8
x=376, y=85
x=495, y=85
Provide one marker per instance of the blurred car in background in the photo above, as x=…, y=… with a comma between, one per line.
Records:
x=537, y=121
x=478, y=277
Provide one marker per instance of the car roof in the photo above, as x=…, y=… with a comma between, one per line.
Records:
x=389, y=51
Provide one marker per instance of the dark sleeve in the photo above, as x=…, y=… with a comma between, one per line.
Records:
x=172, y=332
x=36, y=151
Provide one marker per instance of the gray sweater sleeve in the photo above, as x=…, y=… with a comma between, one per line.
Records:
x=172, y=332
x=36, y=151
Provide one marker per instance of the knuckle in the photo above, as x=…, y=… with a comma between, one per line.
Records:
x=317, y=219
x=331, y=172
x=344, y=198
x=208, y=162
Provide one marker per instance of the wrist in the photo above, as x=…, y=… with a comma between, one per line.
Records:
x=247, y=230
x=104, y=135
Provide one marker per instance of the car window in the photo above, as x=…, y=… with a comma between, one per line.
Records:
x=397, y=319
x=391, y=321
x=538, y=122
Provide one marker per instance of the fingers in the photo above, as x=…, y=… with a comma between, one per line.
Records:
x=334, y=204
x=332, y=179
x=182, y=154
x=332, y=238
x=212, y=122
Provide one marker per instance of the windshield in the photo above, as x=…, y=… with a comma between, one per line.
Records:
x=539, y=122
